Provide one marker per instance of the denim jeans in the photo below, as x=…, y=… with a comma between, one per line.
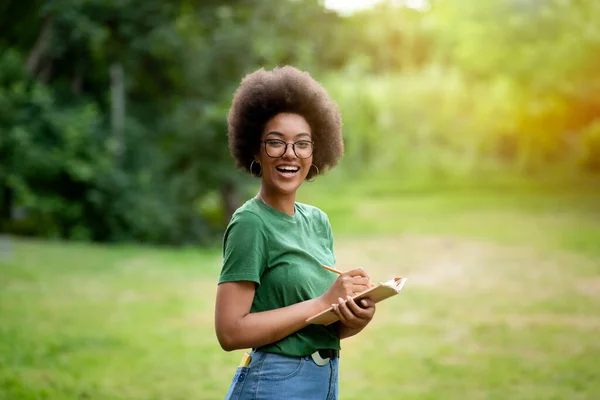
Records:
x=273, y=376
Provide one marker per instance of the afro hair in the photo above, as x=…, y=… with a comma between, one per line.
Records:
x=264, y=94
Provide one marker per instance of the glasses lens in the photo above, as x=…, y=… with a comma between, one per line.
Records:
x=275, y=148
x=304, y=148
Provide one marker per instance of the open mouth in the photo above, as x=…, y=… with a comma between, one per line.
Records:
x=287, y=170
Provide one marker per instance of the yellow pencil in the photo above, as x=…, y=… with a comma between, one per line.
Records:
x=332, y=269
x=340, y=272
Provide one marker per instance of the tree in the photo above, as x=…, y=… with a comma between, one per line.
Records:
x=130, y=99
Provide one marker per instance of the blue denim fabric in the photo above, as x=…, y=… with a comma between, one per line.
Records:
x=273, y=376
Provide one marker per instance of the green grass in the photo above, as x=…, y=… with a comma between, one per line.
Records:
x=551, y=215
x=502, y=302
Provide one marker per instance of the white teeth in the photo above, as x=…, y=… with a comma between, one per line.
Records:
x=288, y=168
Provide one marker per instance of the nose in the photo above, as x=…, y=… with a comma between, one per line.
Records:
x=289, y=151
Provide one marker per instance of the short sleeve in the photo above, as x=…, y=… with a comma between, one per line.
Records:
x=244, y=249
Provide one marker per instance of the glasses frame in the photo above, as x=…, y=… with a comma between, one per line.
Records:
x=293, y=144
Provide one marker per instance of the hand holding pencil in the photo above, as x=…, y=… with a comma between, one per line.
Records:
x=340, y=272
x=352, y=314
x=347, y=284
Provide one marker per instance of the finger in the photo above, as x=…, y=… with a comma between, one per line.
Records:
x=367, y=303
x=360, y=280
x=345, y=311
x=343, y=319
x=357, y=311
x=359, y=288
x=357, y=272
x=334, y=308
x=336, y=311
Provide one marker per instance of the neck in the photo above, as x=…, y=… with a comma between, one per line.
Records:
x=280, y=202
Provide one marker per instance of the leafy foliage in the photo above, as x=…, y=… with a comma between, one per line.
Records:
x=66, y=166
x=459, y=88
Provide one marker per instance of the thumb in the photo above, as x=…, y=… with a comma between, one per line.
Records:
x=367, y=303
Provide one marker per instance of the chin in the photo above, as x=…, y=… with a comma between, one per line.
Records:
x=288, y=187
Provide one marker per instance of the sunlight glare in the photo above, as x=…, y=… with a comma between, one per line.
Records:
x=350, y=6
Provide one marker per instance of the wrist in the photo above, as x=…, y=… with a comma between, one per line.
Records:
x=345, y=331
x=321, y=303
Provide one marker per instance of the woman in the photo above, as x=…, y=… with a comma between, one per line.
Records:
x=284, y=128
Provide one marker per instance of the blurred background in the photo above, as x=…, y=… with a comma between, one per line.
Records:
x=472, y=166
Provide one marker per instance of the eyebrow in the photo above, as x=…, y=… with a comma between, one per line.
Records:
x=281, y=134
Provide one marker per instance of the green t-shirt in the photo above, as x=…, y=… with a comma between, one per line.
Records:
x=284, y=255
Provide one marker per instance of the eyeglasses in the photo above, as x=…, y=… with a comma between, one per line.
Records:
x=276, y=148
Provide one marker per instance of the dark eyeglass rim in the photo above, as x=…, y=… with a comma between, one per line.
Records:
x=286, y=145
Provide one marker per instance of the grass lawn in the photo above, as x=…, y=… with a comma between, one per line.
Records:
x=502, y=302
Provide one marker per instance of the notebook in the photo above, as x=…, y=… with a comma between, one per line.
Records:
x=377, y=293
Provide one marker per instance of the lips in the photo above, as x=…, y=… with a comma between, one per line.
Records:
x=287, y=171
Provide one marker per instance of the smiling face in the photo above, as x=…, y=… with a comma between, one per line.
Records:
x=283, y=175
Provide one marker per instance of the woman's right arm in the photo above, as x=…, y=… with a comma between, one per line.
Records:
x=237, y=328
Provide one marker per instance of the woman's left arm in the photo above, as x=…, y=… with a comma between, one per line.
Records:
x=353, y=318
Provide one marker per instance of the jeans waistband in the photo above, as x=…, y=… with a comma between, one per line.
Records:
x=324, y=353
x=329, y=353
